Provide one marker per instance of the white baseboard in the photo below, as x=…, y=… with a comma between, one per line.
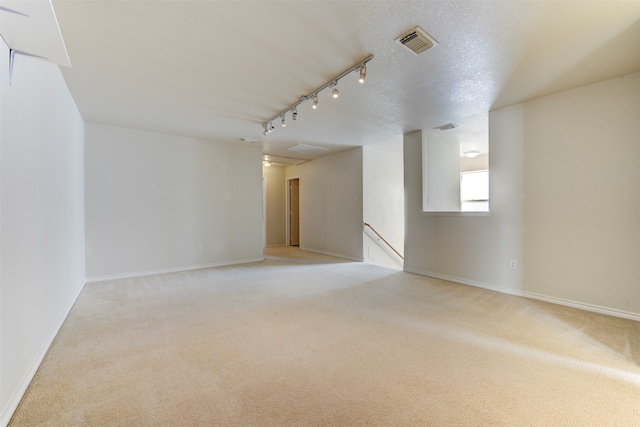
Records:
x=335, y=254
x=14, y=401
x=560, y=301
x=170, y=270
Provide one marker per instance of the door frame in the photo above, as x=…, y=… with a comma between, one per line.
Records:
x=287, y=207
x=264, y=211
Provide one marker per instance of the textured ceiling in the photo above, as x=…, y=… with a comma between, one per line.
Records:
x=218, y=69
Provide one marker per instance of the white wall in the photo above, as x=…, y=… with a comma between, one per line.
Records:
x=479, y=162
x=275, y=206
x=565, y=203
x=383, y=200
x=41, y=218
x=440, y=173
x=582, y=188
x=467, y=248
x=331, y=204
x=152, y=198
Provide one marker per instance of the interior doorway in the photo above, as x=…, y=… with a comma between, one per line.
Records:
x=294, y=211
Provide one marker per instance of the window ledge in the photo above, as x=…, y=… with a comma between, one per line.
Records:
x=456, y=213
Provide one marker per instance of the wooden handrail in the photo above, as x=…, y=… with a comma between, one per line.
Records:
x=384, y=240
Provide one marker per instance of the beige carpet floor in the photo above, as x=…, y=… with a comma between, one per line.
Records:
x=307, y=340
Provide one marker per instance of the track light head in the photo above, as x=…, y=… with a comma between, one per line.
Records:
x=265, y=131
x=363, y=74
x=335, y=92
x=360, y=68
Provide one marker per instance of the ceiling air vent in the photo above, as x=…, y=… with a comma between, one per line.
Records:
x=417, y=40
x=446, y=127
x=308, y=149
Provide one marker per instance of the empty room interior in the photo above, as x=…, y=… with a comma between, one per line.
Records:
x=393, y=213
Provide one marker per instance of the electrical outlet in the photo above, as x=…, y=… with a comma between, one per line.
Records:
x=199, y=247
x=513, y=264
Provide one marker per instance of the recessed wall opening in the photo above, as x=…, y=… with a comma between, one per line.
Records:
x=455, y=167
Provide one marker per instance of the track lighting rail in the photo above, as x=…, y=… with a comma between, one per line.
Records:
x=360, y=66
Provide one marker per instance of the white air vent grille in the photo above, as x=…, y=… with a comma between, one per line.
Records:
x=308, y=149
x=446, y=127
x=417, y=40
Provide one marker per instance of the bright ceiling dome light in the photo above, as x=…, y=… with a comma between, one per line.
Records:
x=471, y=153
x=266, y=164
x=335, y=92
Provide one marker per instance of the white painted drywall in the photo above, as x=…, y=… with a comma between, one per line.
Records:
x=152, y=198
x=440, y=172
x=275, y=205
x=582, y=194
x=331, y=204
x=565, y=203
x=470, y=249
x=41, y=217
x=378, y=253
x=383, y=200
x=480, y=162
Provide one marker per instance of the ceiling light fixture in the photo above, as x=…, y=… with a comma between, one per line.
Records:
x=360, y=66
x=471, y=153
x=363, y=74
x=283, y=122
x=266, y=164
x=268, y=128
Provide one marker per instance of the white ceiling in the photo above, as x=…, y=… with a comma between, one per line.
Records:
x=218, y=69
x=30, y=28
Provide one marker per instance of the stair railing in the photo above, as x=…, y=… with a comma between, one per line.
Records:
x=384, y=240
